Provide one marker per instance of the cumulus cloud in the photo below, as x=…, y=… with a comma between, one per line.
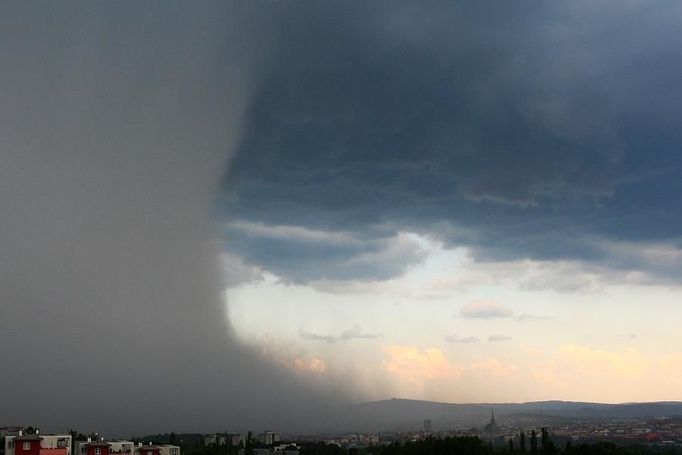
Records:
x=486, y=309
x=615, y=372
x=412, y=364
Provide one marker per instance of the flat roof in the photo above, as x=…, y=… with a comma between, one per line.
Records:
x=28, y=437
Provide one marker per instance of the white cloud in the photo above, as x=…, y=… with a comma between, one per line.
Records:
x=294, y=233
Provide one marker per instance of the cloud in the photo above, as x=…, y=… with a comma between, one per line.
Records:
x=582, y=372
x=118, y=123
x=486, y=309
x=411, y=364
x=293, y=233
x=356, y=332
x=458, y=339
x=592, y=362
x=302, y=255
x=515, y=145
x=499, y=338
x=311, y=336
x=613, y=372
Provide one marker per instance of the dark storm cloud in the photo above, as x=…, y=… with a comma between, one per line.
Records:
x=116, y=123
x=302, y=255
x=548, y=131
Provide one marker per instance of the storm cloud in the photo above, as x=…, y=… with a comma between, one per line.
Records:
x=117, y=123
x=546, y=131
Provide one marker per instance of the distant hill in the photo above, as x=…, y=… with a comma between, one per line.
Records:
x=396, y=414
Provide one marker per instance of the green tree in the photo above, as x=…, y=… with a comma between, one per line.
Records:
x=546, y=443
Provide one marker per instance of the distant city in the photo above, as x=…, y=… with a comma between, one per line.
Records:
x=508, y=431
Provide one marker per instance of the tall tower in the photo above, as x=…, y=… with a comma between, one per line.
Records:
x=491, y=428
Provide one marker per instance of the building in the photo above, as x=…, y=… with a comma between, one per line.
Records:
x=256, y=451
x=491, y=428
x=268, y=438
x=114, y=447
x=37, y=444
x=124, y=447
x=9, y=431
x=236, y=439
x=159, y=449
x=224, y=439
x=95, y=448
x=286, y=449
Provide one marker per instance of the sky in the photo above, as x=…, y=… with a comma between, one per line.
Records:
x=233, y=215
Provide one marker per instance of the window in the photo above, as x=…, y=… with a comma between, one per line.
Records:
x=26, y=445
x=98, y=451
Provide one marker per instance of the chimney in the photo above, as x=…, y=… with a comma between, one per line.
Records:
x=37, y=431
x=21, y=433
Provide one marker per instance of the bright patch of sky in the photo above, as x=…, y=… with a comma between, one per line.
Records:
x=449, y=326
